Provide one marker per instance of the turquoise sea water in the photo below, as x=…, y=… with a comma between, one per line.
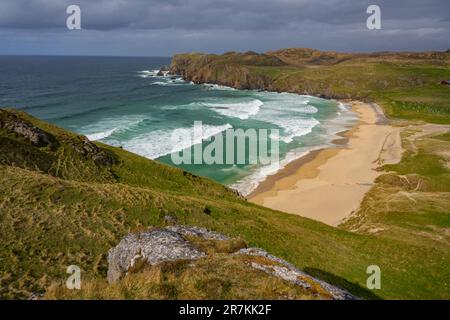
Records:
x=121, y=101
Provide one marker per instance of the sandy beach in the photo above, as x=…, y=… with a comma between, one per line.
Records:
x=329, y=184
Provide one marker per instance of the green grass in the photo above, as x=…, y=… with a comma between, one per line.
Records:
x=50, y=220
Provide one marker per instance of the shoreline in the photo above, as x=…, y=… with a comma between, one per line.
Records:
x=328, y=184
x=291, y=167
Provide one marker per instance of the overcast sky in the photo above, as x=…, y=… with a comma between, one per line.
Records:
x=165, y=27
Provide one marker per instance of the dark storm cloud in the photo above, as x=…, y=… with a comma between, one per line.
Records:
x=209, y=14
x=218, y=25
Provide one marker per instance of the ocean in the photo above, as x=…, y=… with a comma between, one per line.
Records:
x=122, y=102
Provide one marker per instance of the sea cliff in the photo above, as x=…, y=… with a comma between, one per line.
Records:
x=405, y=84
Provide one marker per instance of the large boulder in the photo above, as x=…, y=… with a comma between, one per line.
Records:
x=288, y=272
x=150, y=247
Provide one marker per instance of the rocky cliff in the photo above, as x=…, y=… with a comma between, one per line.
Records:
x=306, y=71
x=231, y=69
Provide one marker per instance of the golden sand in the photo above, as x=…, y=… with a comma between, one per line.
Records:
x=329, y=184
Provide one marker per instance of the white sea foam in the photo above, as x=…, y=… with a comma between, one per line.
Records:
x=231, y=168
x=152, y=73
x=241, y=110
x=345, y=119
x=213, y=86
x=292, y=125
x=343, y=107
x=100, y=135
x=249, y=183
x=170, y=82
x=148, y=73
x=309, y=109
x=108, y=126
x=295, y=127
x=159, y=143
x=290, y=112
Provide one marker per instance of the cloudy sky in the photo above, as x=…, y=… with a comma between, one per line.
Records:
x=165, y=27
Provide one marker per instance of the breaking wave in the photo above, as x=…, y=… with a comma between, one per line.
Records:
x=241, y=110
x=100, y=135
x=159, y=143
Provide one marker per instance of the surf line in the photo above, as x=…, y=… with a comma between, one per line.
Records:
x=250, y=146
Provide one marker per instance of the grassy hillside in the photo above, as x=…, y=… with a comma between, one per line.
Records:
x=67, y=201
x=406, y=85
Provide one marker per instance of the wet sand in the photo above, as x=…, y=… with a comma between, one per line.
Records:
x=329, y=184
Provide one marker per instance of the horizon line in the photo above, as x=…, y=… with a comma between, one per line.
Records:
x=221, y=53
x=77, y=55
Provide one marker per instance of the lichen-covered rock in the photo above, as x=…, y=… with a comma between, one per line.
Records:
x=198, y=232
x=286, y=271
x=151, y=247
x=22, y=128
x=88, y=149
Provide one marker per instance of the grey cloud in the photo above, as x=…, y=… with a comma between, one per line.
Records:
x=163, y=27
x=209, y=14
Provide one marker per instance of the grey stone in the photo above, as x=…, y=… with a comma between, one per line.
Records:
x=151, y=247
x=289, y=273
x=14, y=124
x=198, y=232
x=88, y=149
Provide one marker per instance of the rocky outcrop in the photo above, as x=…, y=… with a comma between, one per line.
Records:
x=231, y=69
x=172, y=243
x=151, y=247
x=163, y=71
x=14, y=123
x=88, y=149
x=24, y=129
x=286, y=271
x=156, y=246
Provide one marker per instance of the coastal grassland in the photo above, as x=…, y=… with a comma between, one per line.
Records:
x=49, y=221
